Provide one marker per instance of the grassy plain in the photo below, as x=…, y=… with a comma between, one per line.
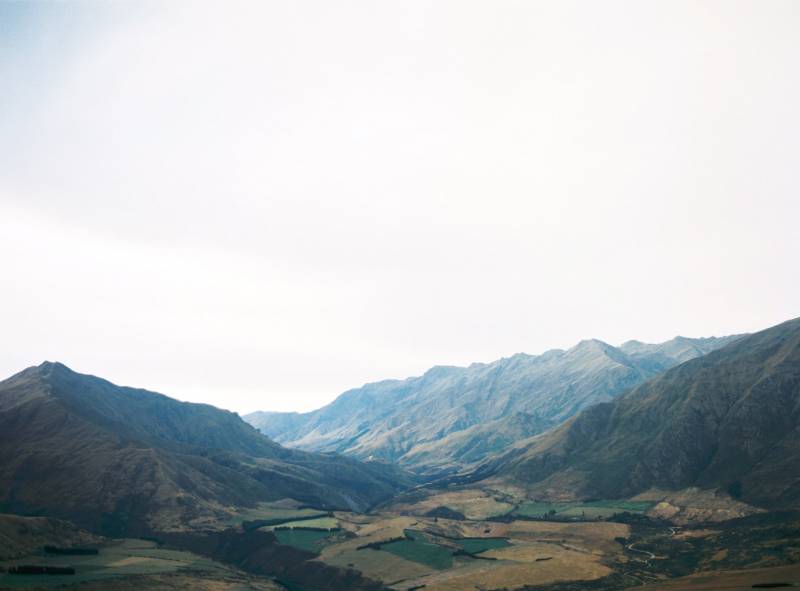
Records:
x=306, y=539
x=380, y=565
x=523, y=552
x=744, y=580
x=431, y=555
x=179, y=581
x=279, y=511
x=318, y=522
x=475, y=504
x=478, y=545
x=586, y=509
x=120, y=558
x=511, y=575
x=368, y=531
x=402, y=551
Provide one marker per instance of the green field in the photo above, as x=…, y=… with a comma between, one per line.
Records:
x=274, y=512
x=320, y=522
x=117, y=559
x=537, y=508
x=478, y=545
x=304, y=539
x=416, y=550
x=586, y=509
x=414, y=535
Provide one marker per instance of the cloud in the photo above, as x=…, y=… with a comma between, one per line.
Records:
x=291, y=199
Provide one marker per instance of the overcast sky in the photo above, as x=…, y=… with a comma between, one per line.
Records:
x=262, y=205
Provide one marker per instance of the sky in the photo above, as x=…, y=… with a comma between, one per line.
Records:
x=261, y=205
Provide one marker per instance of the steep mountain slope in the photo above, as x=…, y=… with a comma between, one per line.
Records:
x=729, y=420
x=116, y=459
x=451, y=416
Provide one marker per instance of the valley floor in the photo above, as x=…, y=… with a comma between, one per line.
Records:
x=442, y=540
x=131, y=564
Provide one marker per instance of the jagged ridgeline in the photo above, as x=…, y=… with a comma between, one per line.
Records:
x=727, y=421
x=453, y=417
x=122, y=461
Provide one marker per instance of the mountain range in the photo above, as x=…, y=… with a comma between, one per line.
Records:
x=454, y=417
x=121, y=460
x=729, y=420
x=691, y=431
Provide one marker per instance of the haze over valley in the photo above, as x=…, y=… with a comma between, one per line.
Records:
x=451, y=417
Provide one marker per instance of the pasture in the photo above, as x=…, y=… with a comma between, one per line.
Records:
x=524, y=551
x=474, y=504
x=510, y=575
x=317, y=522
x=478, y=545
x=432, y=555
x=116, y=559
x=602, y=509
x=380, y=565
x=311, y=540
x=275, y=513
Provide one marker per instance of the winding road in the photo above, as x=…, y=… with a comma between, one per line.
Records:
x=646, y=561
x=650, y=555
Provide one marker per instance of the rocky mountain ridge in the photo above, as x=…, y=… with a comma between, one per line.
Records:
x=727, y=421
x=122, y=460
x=452, y=417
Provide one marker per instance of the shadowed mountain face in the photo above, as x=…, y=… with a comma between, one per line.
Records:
x=118, y=460
x=452, y=417
x=729, y=420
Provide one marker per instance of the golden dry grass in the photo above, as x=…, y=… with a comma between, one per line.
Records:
x=377, y=531
x=695, y=505
x=461, y=529
x=321, y=522
x=129, y=561
x=379, y=565
x=562, y=565
x=572, y=550
x=593, y=537
x=179, y=582
x=731, y=580
x=283, y=509
x=694, y=533
x=475, y=504
x=524, y=553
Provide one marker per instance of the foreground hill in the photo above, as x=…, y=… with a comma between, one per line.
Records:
x=729, y=420
x=23, y=535
x=116, y=459
x=453, y=416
